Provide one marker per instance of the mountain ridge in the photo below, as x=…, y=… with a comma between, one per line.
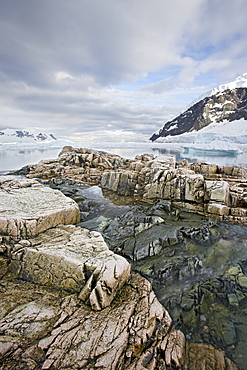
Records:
x=221, y=104
x=9, y=135
x=240, y=81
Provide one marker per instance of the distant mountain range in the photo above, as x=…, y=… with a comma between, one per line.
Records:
x=11, y=135
x=225, y=103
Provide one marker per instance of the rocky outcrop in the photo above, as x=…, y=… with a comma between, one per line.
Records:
x=230, y=105
x=84, y=164
x=218, y=191
x=40, y=329
x=46, y=328
x=222, y=196
x=72, y=259
x=27, y=208
x=69, y=258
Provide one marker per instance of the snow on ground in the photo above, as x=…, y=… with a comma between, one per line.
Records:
x=24, y=136
x=224, y=136
x=222, y=143
x=240, y=81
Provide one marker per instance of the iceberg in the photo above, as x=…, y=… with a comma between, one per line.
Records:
x=214, y=147
x=225, y=137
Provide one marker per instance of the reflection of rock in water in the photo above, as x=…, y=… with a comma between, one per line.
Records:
x=197, y=267
x=203, y=284
x=68, y=302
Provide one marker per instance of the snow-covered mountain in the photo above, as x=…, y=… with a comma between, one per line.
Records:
x=240, y=81
x=19, y=136
x=215, y=123
x=224, y=104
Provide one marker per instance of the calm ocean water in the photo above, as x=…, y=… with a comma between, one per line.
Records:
x=15, y=159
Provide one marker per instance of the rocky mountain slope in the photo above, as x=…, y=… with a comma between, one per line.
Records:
x=240, y=81
x=226, y=102
x=10, y=135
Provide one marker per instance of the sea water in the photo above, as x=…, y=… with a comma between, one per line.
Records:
x=15, y=157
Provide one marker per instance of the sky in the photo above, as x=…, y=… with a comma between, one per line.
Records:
x=113, y=70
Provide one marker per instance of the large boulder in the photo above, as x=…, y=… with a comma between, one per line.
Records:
x=74, y=260
x=217, y=191
x=27, y=208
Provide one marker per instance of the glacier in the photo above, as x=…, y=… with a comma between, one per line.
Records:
x=224, y=136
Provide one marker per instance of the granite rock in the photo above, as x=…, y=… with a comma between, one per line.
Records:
x=74, y=260
x=27, y=208
x=41, y=329
x=189, y=186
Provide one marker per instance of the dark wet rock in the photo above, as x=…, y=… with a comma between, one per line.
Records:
x=149, y=242
x=129, y=224
x=145, y=231
x=203, y=283
x=160, y=207
x=23, y=171
x=214, y=312
x=199, y=233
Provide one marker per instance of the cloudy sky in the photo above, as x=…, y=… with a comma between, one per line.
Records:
x=113, y=69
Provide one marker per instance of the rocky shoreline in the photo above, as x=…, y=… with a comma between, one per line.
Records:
x=71, y=302
x=208, y=189
x=197, y=266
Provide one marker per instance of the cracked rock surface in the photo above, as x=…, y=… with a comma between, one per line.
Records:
x=68, y=302
x=41, y=328
x=27, y=208
x=217, y=191
x=72, y=259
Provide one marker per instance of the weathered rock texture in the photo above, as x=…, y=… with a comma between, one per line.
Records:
x=41, y=329
x=202, y=188
x=27, y=208
x=72, y=259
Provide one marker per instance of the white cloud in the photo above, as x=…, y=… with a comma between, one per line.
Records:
x=82, y=66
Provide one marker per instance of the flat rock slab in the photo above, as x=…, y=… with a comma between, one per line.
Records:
x=28, y=208
x=72, y=259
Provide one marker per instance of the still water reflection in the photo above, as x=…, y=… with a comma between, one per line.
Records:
x=15, y=159
x=199, y=273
